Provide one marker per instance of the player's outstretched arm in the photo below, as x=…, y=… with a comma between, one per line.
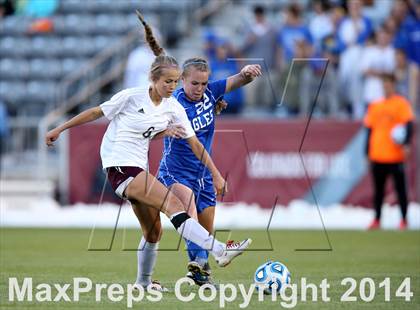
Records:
x=247, y=75
x=85, y=117
x=201, y=153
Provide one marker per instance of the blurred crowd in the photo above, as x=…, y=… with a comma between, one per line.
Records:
x=345, y=45
x=332, y=50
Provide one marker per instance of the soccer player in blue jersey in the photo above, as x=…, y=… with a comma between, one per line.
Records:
x=180, y=170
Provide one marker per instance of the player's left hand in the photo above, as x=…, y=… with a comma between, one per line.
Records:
x=220, y=106
x=51, y=136
x=175, y=131
x=220, y=185
x=251, y=71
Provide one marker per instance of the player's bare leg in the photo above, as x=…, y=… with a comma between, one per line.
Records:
x=145, y=188
x=149, y=219
x=187, y=197
x=206, y=218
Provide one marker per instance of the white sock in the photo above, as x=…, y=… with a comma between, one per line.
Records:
x=193, y=231
x=146, y=261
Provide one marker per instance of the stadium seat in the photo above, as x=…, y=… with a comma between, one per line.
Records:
x=14, y=68
x=133, y=22
x=73, y=47
x=120, y=23
x=102, y=42
x=45, y=68
x=14, y=47
x=124, y=6
x=45, y=46
x=104, y=24
x=101, y=6
x=70, y=64
x=15, y=25
x=59, y=24
x=12, y=92
x=41, y=91
x=69, y=46
x=73, y=6
x=81, y=29
x=87, y=47
x=54, y=47
x=76, y=24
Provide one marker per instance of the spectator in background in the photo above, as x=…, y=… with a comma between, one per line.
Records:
x=4, y=127
x=407, y=15
x=402, y=73
x=260, y=44
x=352, y=32
x=292, y=33
x=36, y=8
x=389, y=124
x=6, y=8
x=327, y=103
x=138, y=66
x=321, y=24
x=377, y=59
x=354, y=28
x=391, y=25
x=377, y=11
x=221, y=67
x=323, y=29
x=408, y=34
x=210, y=39
x=293, y=41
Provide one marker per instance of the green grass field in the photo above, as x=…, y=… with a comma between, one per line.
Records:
x=58, y=255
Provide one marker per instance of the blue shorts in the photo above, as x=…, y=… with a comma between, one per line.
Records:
x=202, y=188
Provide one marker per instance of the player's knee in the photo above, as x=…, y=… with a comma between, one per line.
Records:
x=134, y=192
x=174, y=205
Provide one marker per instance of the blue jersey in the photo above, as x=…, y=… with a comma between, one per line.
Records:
x=178, y=161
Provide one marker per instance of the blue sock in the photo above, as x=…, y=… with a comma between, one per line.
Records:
x=196, y=253
x=202, y=256
x=192, y=249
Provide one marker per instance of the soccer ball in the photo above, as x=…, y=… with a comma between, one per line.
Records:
x=271, y=276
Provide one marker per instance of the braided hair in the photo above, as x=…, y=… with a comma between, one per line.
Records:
x=162, y=60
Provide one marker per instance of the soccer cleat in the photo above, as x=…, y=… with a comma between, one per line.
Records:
x=375, y=224
x=195, y=267
x=155, y=285
x=198, y=278
x=403, y=225
x=199, y=274
x=232, y=250
x=207, y=268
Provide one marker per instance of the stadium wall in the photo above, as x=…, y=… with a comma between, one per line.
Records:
x=265, y=162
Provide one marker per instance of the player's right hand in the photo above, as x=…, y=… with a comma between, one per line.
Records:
x=220, y=106
x=51, y=136
x=220, y=185
x=175, y=131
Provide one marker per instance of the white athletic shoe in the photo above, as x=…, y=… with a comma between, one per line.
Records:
x=232, y=250
x=155, y=285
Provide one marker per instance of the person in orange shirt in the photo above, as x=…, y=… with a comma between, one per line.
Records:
x=389, y=124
